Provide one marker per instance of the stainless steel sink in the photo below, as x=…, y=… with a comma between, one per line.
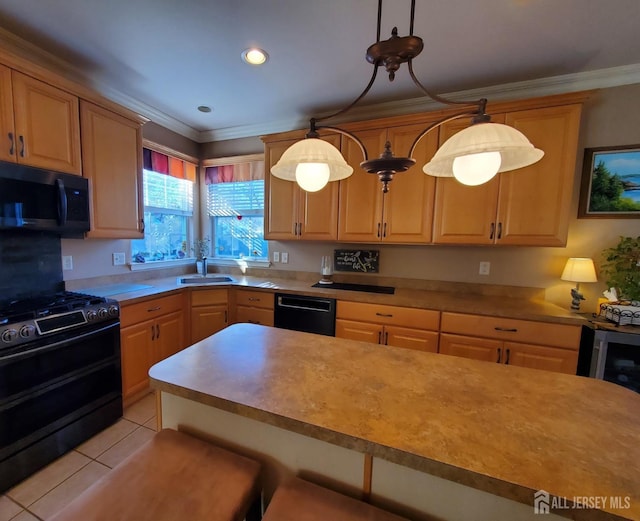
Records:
x=209, y=279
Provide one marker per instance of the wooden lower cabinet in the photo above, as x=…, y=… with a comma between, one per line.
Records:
x=537, y=345
x=510, y=353
x=209, y=312
x=150, y=331
x=254, y=307
x=410, y=328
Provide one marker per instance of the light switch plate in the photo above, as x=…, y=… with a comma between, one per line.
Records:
x=485, y=268
x=285, y=257
x=276, y=256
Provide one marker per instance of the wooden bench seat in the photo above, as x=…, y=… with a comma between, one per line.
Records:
x=172, y=477
x=299, y=500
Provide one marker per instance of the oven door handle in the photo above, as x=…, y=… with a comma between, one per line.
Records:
x=30, y=352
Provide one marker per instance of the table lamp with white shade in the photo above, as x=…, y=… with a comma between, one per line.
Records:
x=578, y=269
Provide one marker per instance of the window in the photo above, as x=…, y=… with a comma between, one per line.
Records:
x=168, y=186
x=235, y=206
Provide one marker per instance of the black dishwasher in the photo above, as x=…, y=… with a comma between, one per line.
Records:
x=308, y=314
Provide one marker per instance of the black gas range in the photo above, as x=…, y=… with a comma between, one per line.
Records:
x=32, y=319
x=60, y=379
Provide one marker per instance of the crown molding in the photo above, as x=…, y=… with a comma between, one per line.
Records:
x=561, y=84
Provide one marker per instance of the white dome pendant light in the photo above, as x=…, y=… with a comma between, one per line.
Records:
x=473, y=156
x=467, y=154
x=312, y=163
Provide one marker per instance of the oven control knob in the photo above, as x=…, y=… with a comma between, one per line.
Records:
x=27, y=331
x=91, y=315
x=113, y=311
x=103, y=313
x=9, y=335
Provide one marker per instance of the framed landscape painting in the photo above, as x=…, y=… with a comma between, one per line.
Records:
x=610, y=183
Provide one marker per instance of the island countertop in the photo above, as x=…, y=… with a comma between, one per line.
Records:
x=502, y=429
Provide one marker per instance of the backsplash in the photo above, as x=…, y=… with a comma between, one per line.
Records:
x=30, y=264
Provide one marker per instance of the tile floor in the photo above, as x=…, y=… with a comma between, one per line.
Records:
x=46, y=492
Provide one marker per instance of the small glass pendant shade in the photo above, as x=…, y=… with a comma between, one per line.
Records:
x=515, y=152
x=311, y=151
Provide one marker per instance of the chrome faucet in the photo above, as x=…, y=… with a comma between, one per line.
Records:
x=204, y=266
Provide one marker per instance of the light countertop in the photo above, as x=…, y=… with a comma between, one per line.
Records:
x=506, y=430
x=461, y=302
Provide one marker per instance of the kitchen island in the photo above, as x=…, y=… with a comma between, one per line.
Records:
x=427, y=435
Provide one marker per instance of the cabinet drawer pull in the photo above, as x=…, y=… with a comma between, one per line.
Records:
x=254, y=299
x=508, y=356
x=151, y=310
x=506, y=329
x=388, y=315
x=11, y=144
x=499, y=355
x=492, y=230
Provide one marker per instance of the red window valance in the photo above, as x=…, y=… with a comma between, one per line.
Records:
x=164, y=164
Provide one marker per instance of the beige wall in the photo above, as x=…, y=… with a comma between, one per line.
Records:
x=609, y=118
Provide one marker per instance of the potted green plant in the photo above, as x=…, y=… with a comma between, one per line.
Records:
x=622, y=268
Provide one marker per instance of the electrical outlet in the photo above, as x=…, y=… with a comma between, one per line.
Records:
x=485, y=268
x=276, y=256
x=67, y=262
x=285, y=257
x=119, y=259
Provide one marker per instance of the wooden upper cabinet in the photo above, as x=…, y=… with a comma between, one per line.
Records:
x=408, y=206
x=7, y=128
x=361, y=193
x=112, y=161
x=405, y=213
x=464, y=214
x=292, y=213
x=47, y=125
x=529, y=206
x=535, y=201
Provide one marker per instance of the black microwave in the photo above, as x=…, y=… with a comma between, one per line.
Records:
x=36, y=199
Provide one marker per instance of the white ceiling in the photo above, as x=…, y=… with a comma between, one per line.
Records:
x=163, y=58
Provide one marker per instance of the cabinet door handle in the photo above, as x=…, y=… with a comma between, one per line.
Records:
x=11, y=144
x=157, y=331
x=387, y=315
x=21, y=138
x=151, y=310
x=379, y=337
x=492, y=230
x=384, y=230
x=142, y=225
x=499, y=230
x=153, y=332
x=225, y=316
x=386, y=338
x=506, y=329
x=378, y=234
x=508, y=355
x=499, y=355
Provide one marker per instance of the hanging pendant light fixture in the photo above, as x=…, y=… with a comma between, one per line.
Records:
x=473, y=156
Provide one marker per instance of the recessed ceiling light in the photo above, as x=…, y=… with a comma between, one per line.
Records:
x=254, y=56
x=204, y=108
